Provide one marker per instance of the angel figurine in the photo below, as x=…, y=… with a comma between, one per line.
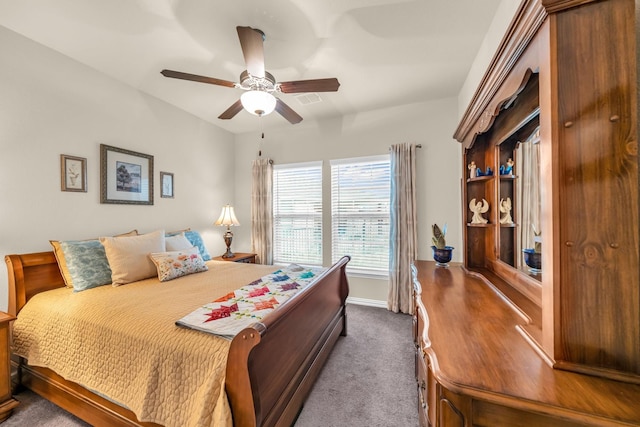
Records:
x=505, y=208
x=472, y=169
x=478, y=209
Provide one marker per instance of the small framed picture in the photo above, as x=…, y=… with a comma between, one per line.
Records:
x=126, y=177
x=166, y=185
x=73, y=173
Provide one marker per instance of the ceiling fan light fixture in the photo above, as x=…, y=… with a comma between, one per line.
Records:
x=258, y=102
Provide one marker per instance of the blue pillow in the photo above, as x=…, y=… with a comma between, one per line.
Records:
x=196, y=240
x=86, y=263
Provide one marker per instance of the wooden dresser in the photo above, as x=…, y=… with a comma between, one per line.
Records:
x=475, y=369
x=556, y=341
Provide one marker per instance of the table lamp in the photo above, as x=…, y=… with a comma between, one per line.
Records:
x=228, y=218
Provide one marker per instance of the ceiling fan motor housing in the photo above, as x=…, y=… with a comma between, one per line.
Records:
x=263, y=84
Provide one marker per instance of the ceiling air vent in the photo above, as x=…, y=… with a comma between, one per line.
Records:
x=308, y=98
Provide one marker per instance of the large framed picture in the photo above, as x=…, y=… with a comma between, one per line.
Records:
x=126, y=177
x=73, y=173
x=166, y=185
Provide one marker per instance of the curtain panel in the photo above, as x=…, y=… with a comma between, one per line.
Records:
x=527, y=212
x=262, y=211
x=403, y=235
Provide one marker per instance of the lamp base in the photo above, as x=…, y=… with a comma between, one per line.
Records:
x=228, y=237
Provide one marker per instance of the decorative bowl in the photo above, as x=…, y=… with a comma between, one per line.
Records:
x=442, y=256
x=533, y=260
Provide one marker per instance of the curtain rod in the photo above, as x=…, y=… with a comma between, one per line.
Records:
x=417, y=146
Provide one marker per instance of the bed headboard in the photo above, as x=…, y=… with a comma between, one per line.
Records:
x=30, y=274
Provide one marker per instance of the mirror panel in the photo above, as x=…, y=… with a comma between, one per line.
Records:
x=518, y=171
x=528, y=243
x=519, y=199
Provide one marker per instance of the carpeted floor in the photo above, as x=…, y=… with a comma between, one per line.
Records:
x=368, y=381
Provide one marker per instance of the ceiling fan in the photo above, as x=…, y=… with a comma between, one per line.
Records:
x=258, y=84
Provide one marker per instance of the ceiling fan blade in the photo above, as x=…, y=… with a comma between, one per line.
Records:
x=314, y=85
x=251, y=41
x=196, y=78
x=286, y=112
x=231, y=111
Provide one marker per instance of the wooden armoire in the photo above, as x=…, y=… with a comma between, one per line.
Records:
x=503, y=342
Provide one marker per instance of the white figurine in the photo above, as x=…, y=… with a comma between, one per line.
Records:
x=505, y=208
x=472, y=170
x=478, y=209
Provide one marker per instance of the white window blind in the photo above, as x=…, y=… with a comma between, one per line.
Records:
x=360, y=194
x=297, y=213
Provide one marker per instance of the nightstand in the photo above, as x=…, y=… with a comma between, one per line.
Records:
x=239, y=257
x=7, y=402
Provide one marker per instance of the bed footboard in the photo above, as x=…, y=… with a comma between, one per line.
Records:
x=273, y=365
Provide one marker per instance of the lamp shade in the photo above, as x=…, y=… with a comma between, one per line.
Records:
x=258, y=102
x=227, y=217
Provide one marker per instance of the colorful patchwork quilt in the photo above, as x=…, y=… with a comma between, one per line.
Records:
x=231, y=313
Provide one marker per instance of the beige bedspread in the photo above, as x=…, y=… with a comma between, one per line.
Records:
x=122, y=342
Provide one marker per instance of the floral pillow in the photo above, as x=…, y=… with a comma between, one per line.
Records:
x=174, y=264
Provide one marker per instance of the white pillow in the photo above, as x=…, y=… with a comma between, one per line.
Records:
x=177, y=243
x=129, y=256
x=174, y=264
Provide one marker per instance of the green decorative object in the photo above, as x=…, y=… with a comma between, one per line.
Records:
x=537, y=240
x=438, y=238
x=441, y=252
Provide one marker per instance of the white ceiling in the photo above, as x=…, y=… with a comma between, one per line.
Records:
x=384, y=52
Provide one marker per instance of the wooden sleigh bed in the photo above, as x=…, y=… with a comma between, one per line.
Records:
x=297, y=337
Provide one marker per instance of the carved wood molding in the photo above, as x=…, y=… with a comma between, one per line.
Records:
x=557, y=5
x=528, y=19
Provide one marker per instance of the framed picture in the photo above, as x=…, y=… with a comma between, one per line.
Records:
x=166, y=185
x=73, y=173
x=126, y=177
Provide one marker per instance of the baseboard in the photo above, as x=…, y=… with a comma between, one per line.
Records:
x=368, y=302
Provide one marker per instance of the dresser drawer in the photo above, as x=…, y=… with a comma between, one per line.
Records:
x=423, y=389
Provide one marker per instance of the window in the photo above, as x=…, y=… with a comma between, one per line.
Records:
x=360, y=194
x=297, y=213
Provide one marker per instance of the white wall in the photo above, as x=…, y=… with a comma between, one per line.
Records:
x=498, y=28
x=429, y=123
x=52, y=105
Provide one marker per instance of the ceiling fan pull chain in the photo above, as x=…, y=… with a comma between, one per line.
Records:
x=261, y=139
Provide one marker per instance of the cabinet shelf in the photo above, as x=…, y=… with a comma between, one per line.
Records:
x=481, y=178
x=508, y=177
x=479, y=225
